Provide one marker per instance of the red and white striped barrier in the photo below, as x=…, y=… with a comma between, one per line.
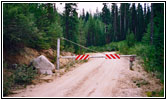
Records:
x=82, y=57
x=112, y=56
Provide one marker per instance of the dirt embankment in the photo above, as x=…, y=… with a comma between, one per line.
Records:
x=26, y=55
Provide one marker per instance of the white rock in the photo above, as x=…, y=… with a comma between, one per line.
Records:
x=43, y=65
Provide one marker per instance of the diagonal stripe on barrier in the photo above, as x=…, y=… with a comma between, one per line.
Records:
x=77, y=57
x=112, y=56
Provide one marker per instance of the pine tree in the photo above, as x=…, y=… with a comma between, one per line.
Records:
x=87, y=16
x=133, y=18
x=105, y=14
x=148, y=16
x=19, y=28
x=70, y=22
x=140, y=23
x=115, y=21
x=124, y=7
x=145, y=13
x=106, y=20
x=83, y=14
x=126, y=19
x=152, y=24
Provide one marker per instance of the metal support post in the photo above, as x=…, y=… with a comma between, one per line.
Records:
x=58, y=53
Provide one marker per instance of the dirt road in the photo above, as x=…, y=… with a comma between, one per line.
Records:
x=98, y=77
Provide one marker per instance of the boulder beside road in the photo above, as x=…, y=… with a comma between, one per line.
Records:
x=43, y=65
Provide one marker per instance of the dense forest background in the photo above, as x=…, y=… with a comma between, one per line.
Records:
x=129, y=29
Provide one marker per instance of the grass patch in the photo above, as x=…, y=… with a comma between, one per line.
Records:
x=155, y=93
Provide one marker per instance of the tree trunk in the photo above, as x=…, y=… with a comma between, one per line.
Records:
x=152, y=24
x=120, y=26
x=115, y=20
x=125, y=23
x=54, y=7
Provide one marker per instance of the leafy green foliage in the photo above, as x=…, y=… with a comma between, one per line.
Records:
x=22, y=75
x=130, y=38
x=8, y=82
x=123, y=47
x=33, y=25
x=146, y=38
x=105, y=14
x=70, y=22
x=156, y=93
x=18, y=25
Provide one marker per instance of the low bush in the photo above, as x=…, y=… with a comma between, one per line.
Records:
x=113, y=46
x=23, y=74
x=156, y=93
x=123, y=47
x=8, y=82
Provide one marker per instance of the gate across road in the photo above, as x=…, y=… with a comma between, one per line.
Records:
x=86, y=56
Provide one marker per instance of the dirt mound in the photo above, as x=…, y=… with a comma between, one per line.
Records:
x=50, y=54
x=64, y=62
x=23, y=57
x=26, y=55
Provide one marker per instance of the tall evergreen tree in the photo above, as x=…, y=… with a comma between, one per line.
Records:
x=106, y=20
x=133, y=18
x=140, y=23
x=148, y=15
x=158, y=34
x=152, y=24
x=83, y=14
x=126, y=19
x=124, y=7
x=145, y=13
x=115, y=21
x=87, y=16
x=71, y=22
x=105, y=14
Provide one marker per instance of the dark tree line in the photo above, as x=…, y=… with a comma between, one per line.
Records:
x=39, y=25
x=127, y=17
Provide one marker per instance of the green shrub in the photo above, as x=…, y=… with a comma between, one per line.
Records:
x=123, y=47
x=130, y=38
x=156, y=93
x=24, y=74
x=161, y=93
x=113, y=46
x=8, y=82
x=137, y=49
x=148, y=55
x=41, y=44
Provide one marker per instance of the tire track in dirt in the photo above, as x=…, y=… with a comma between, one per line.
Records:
x=92, y=91
x=81, y=82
